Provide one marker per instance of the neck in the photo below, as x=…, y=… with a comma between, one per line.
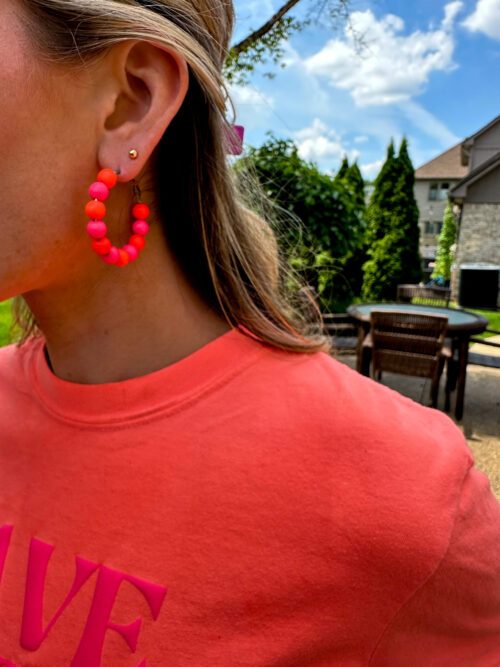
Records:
x=124, y=322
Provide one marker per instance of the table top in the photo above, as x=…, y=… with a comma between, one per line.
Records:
x=459, y=321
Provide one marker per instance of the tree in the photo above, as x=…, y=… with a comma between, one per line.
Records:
x=406, y=216
x=393, y=231
x=342, y=172
x=378, y=214
x=266, y=42
x=321, y=228
x=355, y=183
x=351, y=179
x=444, y=255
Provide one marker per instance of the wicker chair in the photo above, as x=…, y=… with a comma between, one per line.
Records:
x=437, y=296
x=409, y=344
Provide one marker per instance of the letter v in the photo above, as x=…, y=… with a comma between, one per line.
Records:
x=32, y=632
x=5, y=535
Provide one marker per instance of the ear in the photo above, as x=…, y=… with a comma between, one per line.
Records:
x=142, y=87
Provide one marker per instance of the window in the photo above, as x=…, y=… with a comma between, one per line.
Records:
x=443, y=191
x=432, y=228
x=439, y=191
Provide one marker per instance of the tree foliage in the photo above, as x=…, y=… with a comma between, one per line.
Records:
x=266, y=43
x=393, y=230
x=349, y=177
x=444, y=254
x=321, y=227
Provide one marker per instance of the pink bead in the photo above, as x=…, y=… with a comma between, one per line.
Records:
x=112, y=257
x=131, y=251
x=140, y=227
x=97, y=229
x=99, y=191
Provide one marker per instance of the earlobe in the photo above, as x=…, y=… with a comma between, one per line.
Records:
x=149, y=84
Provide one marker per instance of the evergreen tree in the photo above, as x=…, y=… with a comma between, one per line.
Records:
x=353, y=264
x=444, y=256
x=393, y=230
x=356, y=185
x=378, y=214
x=406, y=215
x=343, y=170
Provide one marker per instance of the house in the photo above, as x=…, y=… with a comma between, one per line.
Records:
x=469, y=175
x=433, y=182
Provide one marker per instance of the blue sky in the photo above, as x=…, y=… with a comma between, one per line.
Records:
x=427, y=69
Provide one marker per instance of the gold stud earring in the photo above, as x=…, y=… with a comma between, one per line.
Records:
x=133, y=154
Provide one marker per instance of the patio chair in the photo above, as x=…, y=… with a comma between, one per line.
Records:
x=436, y=296
x=409, y=344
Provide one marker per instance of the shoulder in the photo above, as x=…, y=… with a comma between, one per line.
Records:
x=399, y=464
x=338, y=402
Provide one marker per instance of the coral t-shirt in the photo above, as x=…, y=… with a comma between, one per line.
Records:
x=242, y=507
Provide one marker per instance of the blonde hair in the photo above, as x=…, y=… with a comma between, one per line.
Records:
x=229, y=254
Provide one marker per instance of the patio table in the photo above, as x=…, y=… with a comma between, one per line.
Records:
x=462, y=324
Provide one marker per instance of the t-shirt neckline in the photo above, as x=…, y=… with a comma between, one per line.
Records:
x=144, y=397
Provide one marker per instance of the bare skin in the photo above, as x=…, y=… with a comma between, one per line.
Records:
x=58, y=128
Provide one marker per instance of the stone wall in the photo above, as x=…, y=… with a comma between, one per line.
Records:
x=479, y=239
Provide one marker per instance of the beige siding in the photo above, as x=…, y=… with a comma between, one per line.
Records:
x=432, y=211
x=485, y=146
x=486, y=190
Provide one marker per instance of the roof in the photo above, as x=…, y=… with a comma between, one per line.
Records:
x=460, y=189
x=477, y=134
x=469, y=141
x=446, y=165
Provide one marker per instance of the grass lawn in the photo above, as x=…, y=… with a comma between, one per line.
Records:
x=493, y=317
x=5, y=307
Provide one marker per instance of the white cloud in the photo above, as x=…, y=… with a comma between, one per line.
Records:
x=485, y=18
x=249, y=95
x=451, y=11
x=371, y=169
x=389, y=67
x=321, y=144
x=361, y=139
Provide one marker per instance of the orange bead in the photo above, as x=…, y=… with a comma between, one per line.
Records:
x=141, y=211
x=95, y=210
x=101, y=246
x=137, y=241
x=108, y=177
x=124, y=258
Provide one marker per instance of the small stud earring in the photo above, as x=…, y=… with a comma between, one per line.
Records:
x=133, y=154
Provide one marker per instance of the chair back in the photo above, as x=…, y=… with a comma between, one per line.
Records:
x=407, y=343
x=436, y=296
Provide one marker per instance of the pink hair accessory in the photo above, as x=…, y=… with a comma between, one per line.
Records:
x=235, y=136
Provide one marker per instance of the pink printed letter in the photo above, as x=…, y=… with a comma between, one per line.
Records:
x=89, y=652
x=32, y=633
x=5, y=535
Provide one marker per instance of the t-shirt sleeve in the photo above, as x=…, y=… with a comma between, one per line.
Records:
x=454, y=616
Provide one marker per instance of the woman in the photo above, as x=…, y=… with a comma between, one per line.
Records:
x=186, y=477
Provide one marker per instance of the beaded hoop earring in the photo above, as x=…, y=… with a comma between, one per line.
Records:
x=97, y=230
